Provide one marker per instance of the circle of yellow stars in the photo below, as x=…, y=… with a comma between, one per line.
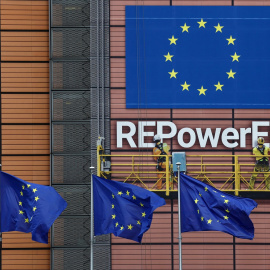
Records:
x=173, y=41
x=209, y=220
x=22, y=194
x=130, y=227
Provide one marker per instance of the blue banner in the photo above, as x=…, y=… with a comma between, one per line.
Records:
x=123, y=209
x=28, y=207
x=204, y=208
x=197, y=57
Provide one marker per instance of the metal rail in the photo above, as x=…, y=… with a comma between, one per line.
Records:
x=229, y=173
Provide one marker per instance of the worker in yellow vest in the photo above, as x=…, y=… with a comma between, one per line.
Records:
x=262, y=163
x=160, y=149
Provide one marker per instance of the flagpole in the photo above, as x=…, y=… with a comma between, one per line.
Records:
x=179, y=218
x=92, y=223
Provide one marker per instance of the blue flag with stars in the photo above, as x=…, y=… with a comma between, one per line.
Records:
x=123, y=209
x=28, y=207
x=204, y=208
x=197, y=57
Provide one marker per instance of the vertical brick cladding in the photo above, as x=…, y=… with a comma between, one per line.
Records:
x=25, y=145
x=201, y=250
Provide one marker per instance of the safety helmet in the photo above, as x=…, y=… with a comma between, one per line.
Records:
x=260, y=140
x=156, y=138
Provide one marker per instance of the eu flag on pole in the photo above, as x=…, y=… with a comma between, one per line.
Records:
x=197, y=57
x=28, y=207
x=123, y=209
x=204, y=208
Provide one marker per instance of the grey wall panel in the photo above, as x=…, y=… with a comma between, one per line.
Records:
x=80, y=112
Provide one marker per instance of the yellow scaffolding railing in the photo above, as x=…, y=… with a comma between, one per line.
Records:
x=229, y=173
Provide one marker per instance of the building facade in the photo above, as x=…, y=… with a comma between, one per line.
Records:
x=63, y=86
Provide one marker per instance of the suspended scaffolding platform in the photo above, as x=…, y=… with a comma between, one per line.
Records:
x=228, y=173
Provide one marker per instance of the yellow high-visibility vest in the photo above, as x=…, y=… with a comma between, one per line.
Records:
x=259, y=155
x=157, y=151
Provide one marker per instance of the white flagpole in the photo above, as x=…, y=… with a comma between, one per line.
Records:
x=179, y=218
x=92, y=223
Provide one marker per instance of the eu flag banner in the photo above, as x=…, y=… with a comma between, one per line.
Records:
x=197, y=57
x=123, y=209
x=28, y=207
x=204, y=208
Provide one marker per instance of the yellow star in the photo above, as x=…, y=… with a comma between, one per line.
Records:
x=143, y=214
x=20, y=203
x=173, y=74
x=222, y=196
x=209, y=221
x=21, y=193
x=120, y=193
x=127, y=193
x=206, y=189
x=36, y=198
x=226, y=201
x=235, y=57
x=34, y=190
x=34, y=209
x=202, y=218
x=130, y=227
x=226, y=217
x=173, y=40
x=198, y=211
x=141, y=204
x=200, y=194
x=218, y=28
x=122, y=228
x=168, y=57
x=218, y=86
x=23, y=187
x=227, y=210
x=201, y=23
x=185, y=86
x=138, y=222
x=230, y=40
x=112, y=206
x=113, y=196
x=113, y=216
x=202, y=91
x=196, y=201
x=185, y=28
x=134, y=197
x=26, y=220
x=21, y=212
x=116, y=224
x=231, y=74
x=28, y=185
